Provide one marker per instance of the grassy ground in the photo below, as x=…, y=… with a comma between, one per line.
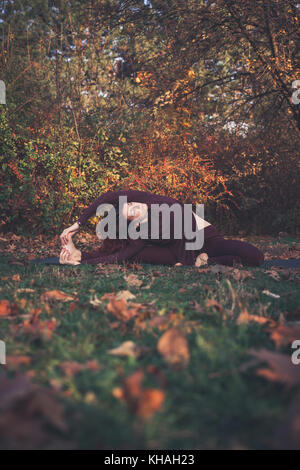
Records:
x=214, y=400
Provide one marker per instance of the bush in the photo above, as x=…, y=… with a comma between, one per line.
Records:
x=48, y=177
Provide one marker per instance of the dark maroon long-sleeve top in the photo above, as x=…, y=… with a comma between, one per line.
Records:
x=177, y=246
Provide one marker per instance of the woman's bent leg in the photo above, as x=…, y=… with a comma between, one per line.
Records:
x=152, y=254
x=224, y=251
x=85, y=255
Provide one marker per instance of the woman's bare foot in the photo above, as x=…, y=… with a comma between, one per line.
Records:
x=69, y=254
x=201, y=260
x=178, y=264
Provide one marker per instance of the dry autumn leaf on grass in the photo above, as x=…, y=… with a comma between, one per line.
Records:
x=271, y=294
x=40, y=328
x=124, y=295
x=7, y=308
x=161, y=322
x=143, y=402
x=136, y=266
x=13, y=362
x=284, y=335
x=27, y=410
x=14, y=277
x=120, y=295
x=156, y=274
x=133, y=280
x=127, y=348
x=173, y=346
x=25, y=289
x=70, y=368
x=122, y=310
x=246, y=317
x=57, y=295
x=281, y=367
x=214, y=303
x=273, y=274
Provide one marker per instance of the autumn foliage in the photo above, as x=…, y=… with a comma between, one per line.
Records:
x=204, y=112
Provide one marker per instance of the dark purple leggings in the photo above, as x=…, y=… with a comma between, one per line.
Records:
x=219, y=250
x=223, y=251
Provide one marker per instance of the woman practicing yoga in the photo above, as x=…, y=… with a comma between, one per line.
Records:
x=171, y=251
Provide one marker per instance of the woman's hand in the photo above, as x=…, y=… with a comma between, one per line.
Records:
x=68, y=232
x=66, y=258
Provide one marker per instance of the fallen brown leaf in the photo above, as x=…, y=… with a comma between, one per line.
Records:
x=120, y=295
x=144, y=322
x=122, y=310
x=127, y=348
x=14, y=362
x=156, y=273
x=133, y=280
x=136, y=266
x=92, y=365
x=150, y=401
x=142, y=402
x=270, y=294
x=281, y=367
x=70, y=368
x=25, y=289
x=246, y=317
x=284, y=335
x=173, y=346
x=7, y=308
x=57, y=295
x=43, y=328
x=273, y=274
x=26, y=412
x=124, y=295
x=214, y=303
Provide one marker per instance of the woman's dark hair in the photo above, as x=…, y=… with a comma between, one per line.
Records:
x=111, y=245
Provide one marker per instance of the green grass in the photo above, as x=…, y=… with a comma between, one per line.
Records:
x=208, y=404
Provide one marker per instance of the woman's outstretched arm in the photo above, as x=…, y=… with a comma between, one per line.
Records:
x=132, y=249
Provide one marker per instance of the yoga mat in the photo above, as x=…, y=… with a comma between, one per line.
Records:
x=55, y=260
x=49, y=260
x=284, y=263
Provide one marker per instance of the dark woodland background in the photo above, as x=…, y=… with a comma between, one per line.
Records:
x=192, y=99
